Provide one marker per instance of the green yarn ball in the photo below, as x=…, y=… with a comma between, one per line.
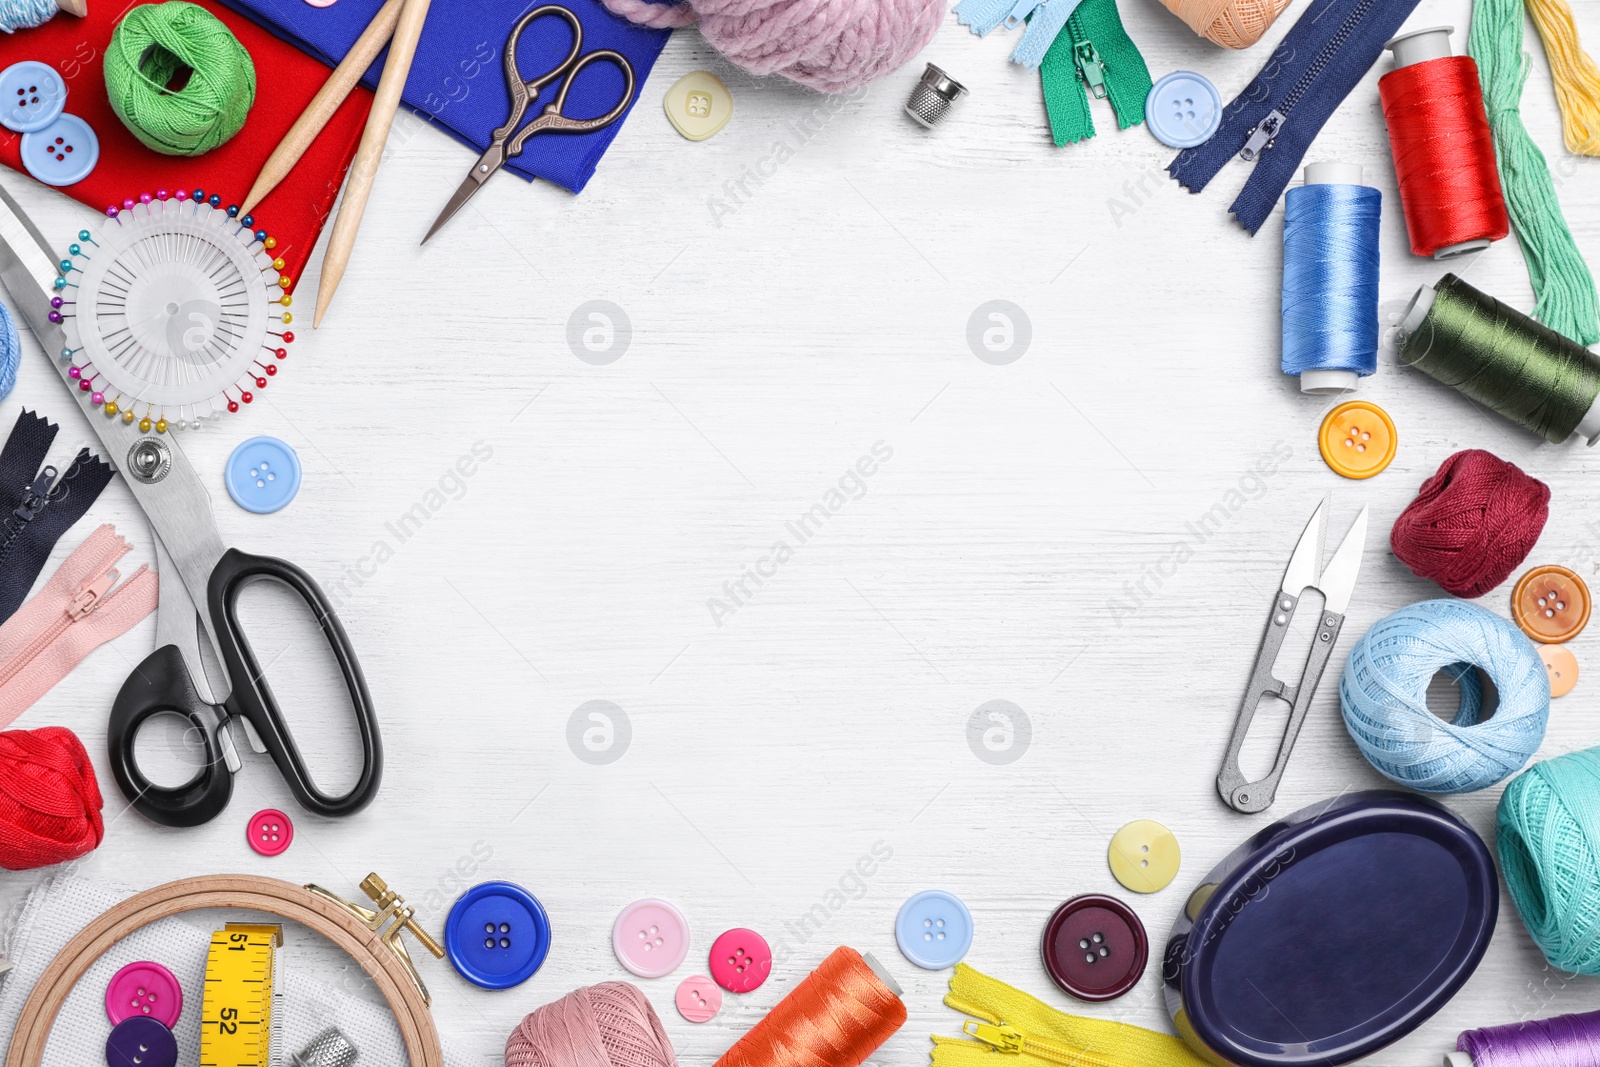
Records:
x=1548, y=835
x=178, y=78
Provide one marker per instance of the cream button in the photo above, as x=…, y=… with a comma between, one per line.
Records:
x=698, y=105
x=1144, y=856
x=1562, y=667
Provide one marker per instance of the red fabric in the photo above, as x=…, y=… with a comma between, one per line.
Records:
x=49, y=799
x=286, y=80
x=1472, y=524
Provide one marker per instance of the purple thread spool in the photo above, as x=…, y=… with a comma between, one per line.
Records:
x=1562, y=1041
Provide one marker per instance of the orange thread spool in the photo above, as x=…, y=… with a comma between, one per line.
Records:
x=837, y=1016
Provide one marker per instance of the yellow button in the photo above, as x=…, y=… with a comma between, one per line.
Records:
x=698, y=105
x=1562, y=667
x=1144, y=856
x=1550, y=604
x=1358, y=439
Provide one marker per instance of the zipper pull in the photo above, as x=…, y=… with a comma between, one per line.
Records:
x=36, y=496
x=1262, y=136
x=1094, y=70
x=1020, y=13
x=1004, y=1038
x=89, y=596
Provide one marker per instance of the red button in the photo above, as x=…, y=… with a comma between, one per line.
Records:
x=145, y=989
x=269, y=832
x=1095, y=947
x=740, y=960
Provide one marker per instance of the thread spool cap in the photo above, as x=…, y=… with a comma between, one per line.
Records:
x=933, y=96
x=882, y=972
x=1458, y=1059
x=1328, y=172
x=1417, y=311
x=1419, y=46
x=1589, y=427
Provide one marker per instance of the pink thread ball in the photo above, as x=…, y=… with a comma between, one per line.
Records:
x=607, y=1025
x=832, y=46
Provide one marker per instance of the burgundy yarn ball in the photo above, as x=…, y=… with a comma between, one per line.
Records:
x=1472, y=523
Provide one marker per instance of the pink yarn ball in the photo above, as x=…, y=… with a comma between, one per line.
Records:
x=832, y=46
x=607, y=1025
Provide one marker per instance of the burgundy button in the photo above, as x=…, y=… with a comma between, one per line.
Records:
x=1095, y=947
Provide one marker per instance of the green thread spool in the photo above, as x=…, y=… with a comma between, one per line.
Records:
x=1500, y=358
x=178, y=78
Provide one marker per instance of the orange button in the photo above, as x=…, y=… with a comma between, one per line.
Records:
x=1358, y=439
x=1551, y=604
x=1562, y=667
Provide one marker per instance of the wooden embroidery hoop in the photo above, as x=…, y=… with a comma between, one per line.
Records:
x=326, y=915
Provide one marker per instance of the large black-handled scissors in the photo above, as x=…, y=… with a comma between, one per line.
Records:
x=507, y=141
x=201, y=579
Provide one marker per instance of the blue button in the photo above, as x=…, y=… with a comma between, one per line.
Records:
x=1183, y=109
x=32, y=94
x=263, y=475
x=934, y=929
x=141, y=1041
x=62, y=153
x=497, y=935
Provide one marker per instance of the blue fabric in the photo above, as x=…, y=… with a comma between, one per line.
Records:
x=458, y=78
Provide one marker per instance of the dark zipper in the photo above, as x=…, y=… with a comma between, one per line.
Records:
x=35, y=498
x=1266, y=131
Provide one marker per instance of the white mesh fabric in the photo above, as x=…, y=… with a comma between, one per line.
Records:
x=60, y=907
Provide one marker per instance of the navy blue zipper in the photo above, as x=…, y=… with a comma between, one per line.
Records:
x=37, y=506
x=1320, y=60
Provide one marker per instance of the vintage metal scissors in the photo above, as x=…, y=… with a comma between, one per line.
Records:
x=507, y=141
x=1336, y=582
x=197, y=569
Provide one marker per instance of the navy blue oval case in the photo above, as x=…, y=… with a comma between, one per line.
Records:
x=1331, y=933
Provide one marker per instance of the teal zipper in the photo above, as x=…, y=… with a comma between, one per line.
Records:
x=1093, y=55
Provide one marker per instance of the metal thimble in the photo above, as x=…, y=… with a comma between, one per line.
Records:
x=328, y=1049
x=933, y=96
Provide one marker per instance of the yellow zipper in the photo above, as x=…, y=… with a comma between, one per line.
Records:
x=1007, y=1021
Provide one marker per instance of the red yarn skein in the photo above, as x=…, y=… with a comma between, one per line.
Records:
x=49, y=799
x=1472, y=524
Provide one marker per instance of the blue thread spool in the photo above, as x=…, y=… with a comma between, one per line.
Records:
x=1384, y=697
x=1330, y=279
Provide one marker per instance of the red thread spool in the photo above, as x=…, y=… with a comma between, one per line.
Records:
x=1443, y=148
x=1472, y=523
x=49, y=799
x=838, y=1015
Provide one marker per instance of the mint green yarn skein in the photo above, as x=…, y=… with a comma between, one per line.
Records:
x=1548, y=837
x=178, y=78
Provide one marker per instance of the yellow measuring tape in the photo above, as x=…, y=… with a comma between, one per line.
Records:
x=237, y=1021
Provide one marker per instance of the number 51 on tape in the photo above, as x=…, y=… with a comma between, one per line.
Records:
x=238, y=1026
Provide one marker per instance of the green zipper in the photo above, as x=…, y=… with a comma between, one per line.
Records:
x=1094, y=54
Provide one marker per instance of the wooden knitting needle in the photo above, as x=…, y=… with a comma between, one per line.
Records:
x=317, y=113
x=402, y=50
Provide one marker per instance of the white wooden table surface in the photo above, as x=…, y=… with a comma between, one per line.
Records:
x=757, y=353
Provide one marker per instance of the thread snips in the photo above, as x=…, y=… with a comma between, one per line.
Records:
x=1335, y=582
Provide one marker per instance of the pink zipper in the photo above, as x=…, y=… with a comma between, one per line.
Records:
x=77, y=611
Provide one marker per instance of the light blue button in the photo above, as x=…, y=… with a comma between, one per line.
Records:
x=1183, y=109
x=934, y=929
x=32, y=94
x=62, y=153
x=263, y=475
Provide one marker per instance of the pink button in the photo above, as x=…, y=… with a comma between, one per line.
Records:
x=699, y=999
x=650, y=938
x=269, y=832
x=740, y=960
x=144, y=989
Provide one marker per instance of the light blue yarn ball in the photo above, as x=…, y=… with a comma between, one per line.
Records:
x=1384, y=697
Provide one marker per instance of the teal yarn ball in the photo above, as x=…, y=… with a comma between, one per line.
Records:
x=1548, y=837
x=1384, y=697
x=178, y=78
